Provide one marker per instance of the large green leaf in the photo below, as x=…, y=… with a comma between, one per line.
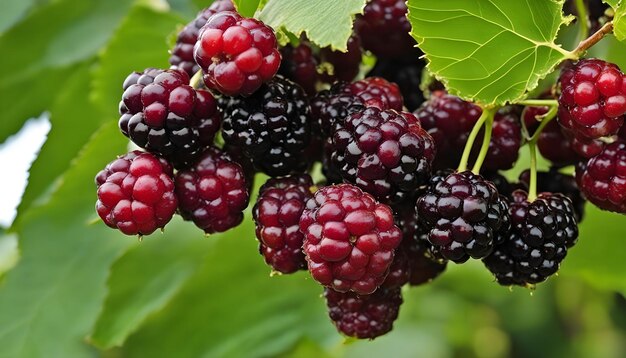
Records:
x=44, y=47
x=146, y=278
x=50, y=300
x=490, y=51
x=325, y=22
x=619, y=18
x=12, y=12
x=246, y=8
x=233, y=308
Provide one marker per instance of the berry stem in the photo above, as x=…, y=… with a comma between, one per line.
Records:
x=539, y=102
x=544, y=122
x=196, y=80
x=583, y=19
x=587, y=43
x=487, y=112
x=532, y=187
x=485, y=146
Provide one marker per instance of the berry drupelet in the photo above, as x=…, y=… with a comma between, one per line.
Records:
x=345, y=65
x=237, y=54
x=541, y=233
x=384, y=28
x=273, y=126
x=182, y=54
x=463, y=213
x=554, y=181
x=349, y=240
x=602, y=179
x=277, y=215
x=555, y=146
x=407, y=73
x=213, y=193
x=593, y=98
x=386, y=153
x=136, y=193
x=363, y=317
x=299, y=64
x=160, y=112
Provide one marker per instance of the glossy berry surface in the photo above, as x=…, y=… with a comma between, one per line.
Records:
x=376, y=92
x=553, y=181
x=273, y=126
x=602, y=179
x=277, y=216
x=213, y=193
x=384, y=28
x=386, y=153
x=237, y=54
x=541, y=232
x=332, y=106
x=350, y=239
x=181, y=56
x=593, y=98
x=449, y=120
x=364, y=317
x=463, y=213
x=136, y=193
x=299, y=64
x=161, y=113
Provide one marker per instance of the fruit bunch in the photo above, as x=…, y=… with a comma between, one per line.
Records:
x=397, y=202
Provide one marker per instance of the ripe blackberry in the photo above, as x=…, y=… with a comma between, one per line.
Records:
x=386, y=153
x=449, y=120
x=553, y=181
x=237, y=54
x=602, y=179
x=332, y=106
x=376, y=92
x=423, y=263
x=506, y=140
x=541, y=232
x=363, y=317
x=349, y=239
x=213, y=193
x=136, y=193
x=277, y=216
x=556, y=146
x=407, y=73
x=463, y=213
x=181, y=56
x=593, y=98
x=273, y=126
x=299, y=64
x=345, y=65
x=161, y=113
x=384, y=28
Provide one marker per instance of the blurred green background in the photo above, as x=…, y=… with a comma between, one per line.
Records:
x=72, y=287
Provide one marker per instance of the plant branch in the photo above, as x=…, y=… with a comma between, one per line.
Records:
x=485, y=146
x=539, y=102
x=487, y=112
x=586, y=44
x=532, y=187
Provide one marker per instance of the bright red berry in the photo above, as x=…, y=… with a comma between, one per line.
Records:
x=136, y=193
x=350, y=239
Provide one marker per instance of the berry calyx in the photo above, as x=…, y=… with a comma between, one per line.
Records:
x=277, y=216
x=237, y=54
x=213, y=192
x=136, y=193
x=350, y=239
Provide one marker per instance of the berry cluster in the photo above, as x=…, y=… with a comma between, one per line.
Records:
x=393, y=209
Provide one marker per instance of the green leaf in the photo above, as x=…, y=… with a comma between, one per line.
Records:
x=43, y=49
x=510, y=47
x=246, y=8
x=325, y=22
x=69, y=132
x=233, y=308
x=596, y=257
x=619, y=19
x=12, y=12
x=146, y=278
x=121, y=56
x=50, y=300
